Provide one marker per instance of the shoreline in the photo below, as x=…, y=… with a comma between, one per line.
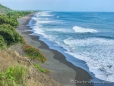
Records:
x=61, y=70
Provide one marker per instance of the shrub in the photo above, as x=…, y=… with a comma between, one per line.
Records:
x=13, y=76
x=41, y=69
x=7, y=30
x=2, y=42
x=18, y=14
x=34, y=53
x=9, y=34
x=8, y=20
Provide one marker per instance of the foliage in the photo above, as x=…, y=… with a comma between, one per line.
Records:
x=41, y=69
x=4, y=9
x=33, y=53
x=6, y=20
x=9, y=34
x=18, y=14
x=13, y=76
x=2, y=42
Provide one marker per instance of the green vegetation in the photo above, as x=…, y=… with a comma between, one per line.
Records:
x=4, y=9
x=33, y=53
x=9, y=34
x=11, y=18
x=2, y=42
x=18, y=14
x=11, y=13
x=6, y=20
x=13, y=76
x=41, y=69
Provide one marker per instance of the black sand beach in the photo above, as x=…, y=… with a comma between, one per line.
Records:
x=60, y=69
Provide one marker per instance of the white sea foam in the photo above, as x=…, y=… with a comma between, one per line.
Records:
x=38, y=30
x=83, y=30
x=43, y=13
x=44, y=22
x=30, y=23
x=62, y=30
x=38, y=20
x=97, y=53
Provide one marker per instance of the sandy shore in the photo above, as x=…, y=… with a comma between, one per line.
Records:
x=61, y=70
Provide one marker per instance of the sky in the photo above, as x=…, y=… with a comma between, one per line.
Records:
x=61, y=5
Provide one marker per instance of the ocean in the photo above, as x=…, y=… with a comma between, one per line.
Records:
x=86, y=36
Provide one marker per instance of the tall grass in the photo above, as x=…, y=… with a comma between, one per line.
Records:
x=2, y=42
x=13, y=76
x=41, y=69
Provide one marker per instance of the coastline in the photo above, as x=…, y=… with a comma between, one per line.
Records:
x=60, y=69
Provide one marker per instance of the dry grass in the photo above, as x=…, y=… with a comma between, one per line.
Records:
x=33, y=77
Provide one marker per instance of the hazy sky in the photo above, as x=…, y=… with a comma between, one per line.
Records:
x=60, y=5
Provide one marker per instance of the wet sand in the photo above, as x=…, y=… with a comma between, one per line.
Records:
x=60, y=69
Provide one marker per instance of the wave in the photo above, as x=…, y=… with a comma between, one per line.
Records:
x=38, y=22
x=43, y=14
x=60, y=30
x=40, y=31
x=98, y=54
x=83, y=30
x=106, y=37
x=44, y=22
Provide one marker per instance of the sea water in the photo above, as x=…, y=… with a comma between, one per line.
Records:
x=88, y=36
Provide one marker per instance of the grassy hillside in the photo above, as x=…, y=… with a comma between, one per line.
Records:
x=4, y=9
x=19, y=71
